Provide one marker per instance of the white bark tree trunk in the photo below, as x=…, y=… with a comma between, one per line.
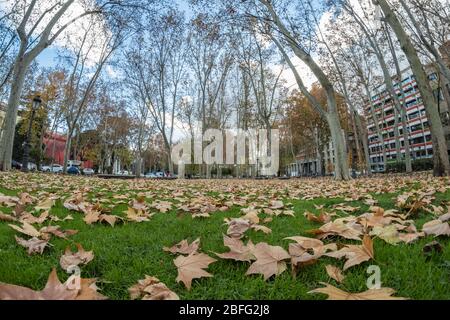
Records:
x=7, y=142
x=441, y=159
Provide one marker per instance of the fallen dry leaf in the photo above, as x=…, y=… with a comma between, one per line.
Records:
x=151, y=288
x=45, y=205
x=238, y=251
x=89, y=291
x=136, y=215
x=322, y=218
x=54, y=290
x=436, y=228
x=237, y=228
x=73, y=259
x=57, y=232
x=307, y=250
x=374, y=294
x=269, y=260
x=263, y=229
x=7, y=218
x=335, y=273
x=29, y=218
x=355, y=255
x=33, y=245
x=27, y=229
x=337, y=228
x=184, y=247
x=191, y=267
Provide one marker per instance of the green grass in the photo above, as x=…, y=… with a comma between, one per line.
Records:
x=128, y=252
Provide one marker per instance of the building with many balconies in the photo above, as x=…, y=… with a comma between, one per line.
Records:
x=381, y=113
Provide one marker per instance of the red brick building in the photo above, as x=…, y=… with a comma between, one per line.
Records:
x=54, y=149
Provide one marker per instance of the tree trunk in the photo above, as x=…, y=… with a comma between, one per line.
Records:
x=364, y=141
x=340, y=166
x=332, y=114
x=403, y=111
x=40, y=149
x=67, y=148
x=398, y=147
x=139, y=166
x=441, y=159
x=9, y=126
x=408, y=161
x=377, y=124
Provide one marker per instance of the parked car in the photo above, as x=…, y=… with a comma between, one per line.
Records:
x=16, y=165
x=88, y=171
x=160, y=174
x=151, y=175
x=56, y=168
x=73, y=170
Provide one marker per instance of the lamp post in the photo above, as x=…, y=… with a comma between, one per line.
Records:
x=27, y=145
x=257, y=167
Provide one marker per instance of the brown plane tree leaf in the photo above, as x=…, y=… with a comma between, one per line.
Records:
x=335, y=273
x=276, y=204
x=355, y=255
x=45, y=205
x=238, y=251
x=33, y=245
x=445, y=217
x=263, y=229
x=57, y=232
x=54, y=290
x=151, y=288
x=337, y=228
x=89, y=291
x=162, y=206
x=269, y=260
x=322, y=218
x=237, y=228
x=136, y=215
x=7, y=218
x=184, y=247
x=91, y=217
x=191, y=267
x=29, y=218
x=373, y=294
x=110, y=219
x=436, y=228
x=8, y=201
x=251, y=214
x=27, y=229
x=71, y=259
x=307, y=250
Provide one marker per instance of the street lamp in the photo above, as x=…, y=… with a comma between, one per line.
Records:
x=27, y=145
x=257, y=167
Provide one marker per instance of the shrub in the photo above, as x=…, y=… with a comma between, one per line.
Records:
x=417, y=165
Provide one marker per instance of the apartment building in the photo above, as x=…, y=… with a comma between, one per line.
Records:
x=380, y=115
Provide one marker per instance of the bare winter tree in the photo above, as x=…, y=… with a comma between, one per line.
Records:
x=37, y=27
x=155, y=69
x=93, y=52
x=441, y=159
x=286, y=38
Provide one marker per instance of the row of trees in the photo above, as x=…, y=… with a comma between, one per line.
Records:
x=136, y=74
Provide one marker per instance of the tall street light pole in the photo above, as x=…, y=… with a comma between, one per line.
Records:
x=27, y=146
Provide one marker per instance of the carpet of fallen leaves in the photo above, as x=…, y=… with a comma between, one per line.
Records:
x=342, y=232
